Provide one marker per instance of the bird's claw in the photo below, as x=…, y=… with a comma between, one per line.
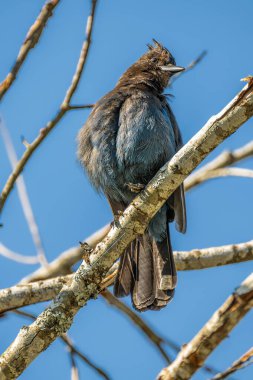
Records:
x=135, y=187
x=116, y=218
x=87, y=251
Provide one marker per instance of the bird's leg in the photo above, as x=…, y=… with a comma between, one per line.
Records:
x=135, y=187
x=117, y=215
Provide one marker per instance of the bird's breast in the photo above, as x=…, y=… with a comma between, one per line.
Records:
x=145, y=138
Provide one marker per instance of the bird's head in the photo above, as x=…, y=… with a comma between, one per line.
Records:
x=154, y=68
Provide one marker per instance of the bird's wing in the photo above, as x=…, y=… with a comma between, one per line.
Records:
x=179, y=197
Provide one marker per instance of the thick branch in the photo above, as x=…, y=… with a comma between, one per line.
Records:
x=64, y=108
x=58, y=317
x=194, y=354
x=73, y=350
x=31, y=40
x=29, y=293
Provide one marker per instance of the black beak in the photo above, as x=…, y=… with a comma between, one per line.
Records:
x=172, y=69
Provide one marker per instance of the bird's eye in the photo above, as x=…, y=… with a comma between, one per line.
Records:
x=153, y=59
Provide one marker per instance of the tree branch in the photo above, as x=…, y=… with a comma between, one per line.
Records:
x=214, y=256
x=64, y=262
x=244, y=361
x=41, y=291
x=184, y=260
x=24, y=198
x=58, y=317
x=225, y=172
x=77, y=352
x=194, y=354
x=44, y=290
x=31, y=40
x=73, y=350
x=64, y=108
x=138, y=322
x=189, y=67
x=9, y=254
x=226, y=158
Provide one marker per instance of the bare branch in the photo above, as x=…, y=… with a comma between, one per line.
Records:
x=27, y=293
x=185, y=260
x=194, y=354
x=244, y=361
x=23, y=196
x=31, y=40
x=74, y=368
x=80, y=107
x=189, y=67
x=23, y=295
x=41, y=291
x=138, y=322
x=77, y=352
x=214, y=256
x=63, y=263
x=226, y=158
x=6, y=252
x=64, y=108
x=225, y=172
x=74, y=351
x=58, y=317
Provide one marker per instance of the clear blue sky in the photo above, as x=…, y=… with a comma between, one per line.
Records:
x=66, y=207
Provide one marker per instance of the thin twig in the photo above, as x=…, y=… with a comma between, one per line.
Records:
x=193, y=355
x=64, y=262
x=23, y=196
x=80, y=107
x=244, y=361
x=9, y=254
x=74, y=368
x=63, y=109
x=31, y=40
x=226, y=158
x=138, y=322
x=189, y=67
x=77, y=352
x=226, y=172
x=67, y=340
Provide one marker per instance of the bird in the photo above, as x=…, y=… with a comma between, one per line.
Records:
x=129, y=135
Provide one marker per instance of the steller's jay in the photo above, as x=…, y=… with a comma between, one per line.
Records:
x=130, y=134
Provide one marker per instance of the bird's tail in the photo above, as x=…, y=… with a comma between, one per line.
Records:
x=148, y=272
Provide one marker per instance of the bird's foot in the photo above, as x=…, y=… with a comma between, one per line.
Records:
x=135, y=187
x=116, y=219
x=86, y=251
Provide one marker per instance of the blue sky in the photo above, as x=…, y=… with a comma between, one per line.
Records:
x=66, y=207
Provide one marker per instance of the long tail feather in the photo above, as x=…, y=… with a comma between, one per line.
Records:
x=148, y=272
